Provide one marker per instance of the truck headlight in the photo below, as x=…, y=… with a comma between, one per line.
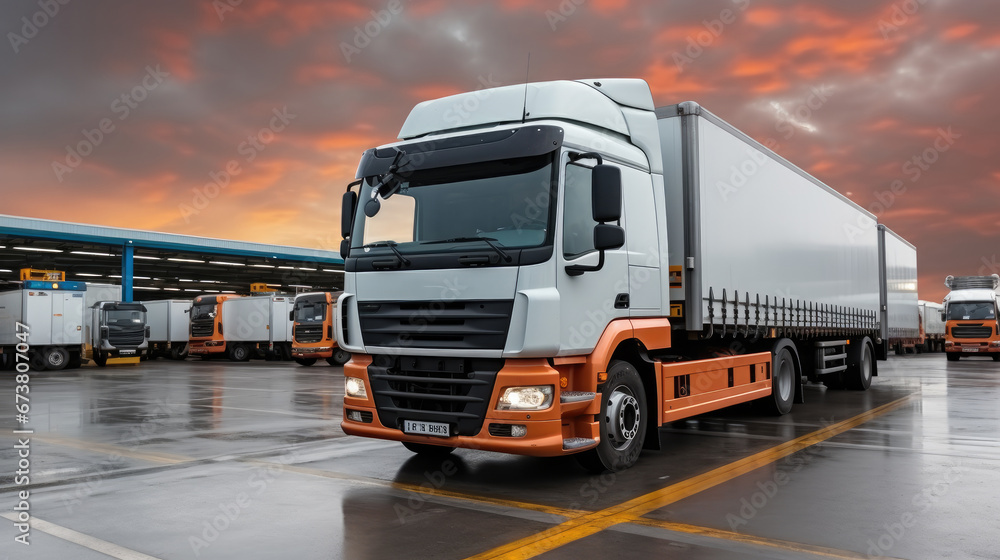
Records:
x=355, y=387
x=536, y=397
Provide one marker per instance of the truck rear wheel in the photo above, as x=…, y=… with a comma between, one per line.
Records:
x=239, y=353
x=305, y=361
x=339, y=358
x=56, y=358
x=623, y=421
x=782, y=382
x=953, y=356
x=860, y=365
x=428, y=450
x=178, y=352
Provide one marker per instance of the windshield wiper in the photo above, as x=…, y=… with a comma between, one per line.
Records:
x=493, y=243
x=392, y=247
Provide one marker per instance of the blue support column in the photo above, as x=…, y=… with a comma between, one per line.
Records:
x=127, y=270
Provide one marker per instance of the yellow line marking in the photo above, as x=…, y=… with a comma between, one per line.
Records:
x=586, y=525
x=428, y=490
x=87, y=541
x=751, y=539
x=112, y=449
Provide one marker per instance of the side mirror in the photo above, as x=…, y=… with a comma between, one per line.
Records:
x=291, y=315
x=347, y=206
x=943, y=316
x=606, y=195
x=345, y=248
x=607, y=236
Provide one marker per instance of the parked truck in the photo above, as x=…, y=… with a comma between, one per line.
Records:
x=206, y=339
x=931, y=326
x=43, y=322
x=258, y=326
x=972, y=313
x=169, y=326
x=898, y=291
x=115, y=329
x=312, y=329
x=567, y=268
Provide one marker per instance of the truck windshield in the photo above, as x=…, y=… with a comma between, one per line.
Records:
x=310, y=311
x=972, y=310
x=125, y=317
x=204, y=311
x=451, y=208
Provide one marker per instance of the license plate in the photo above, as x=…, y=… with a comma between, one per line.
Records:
x=124, y=352
x=970, y=349
x=426, y=428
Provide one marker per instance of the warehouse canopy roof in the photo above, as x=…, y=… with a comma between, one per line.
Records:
x=163, y=265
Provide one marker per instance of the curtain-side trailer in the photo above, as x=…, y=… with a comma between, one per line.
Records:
x=568, y=267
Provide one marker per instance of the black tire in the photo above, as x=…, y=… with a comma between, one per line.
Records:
x=205, y=357
x=428, y=450
x=178, y=352
x=74, y=361
x=623, y=421
x=784, y=371
x=996, y=357
x=239, y=353
x=860, y=365
x=953, y=356
x=339, y=358
x=100, y=359
x=305, y=361
x=56, y=358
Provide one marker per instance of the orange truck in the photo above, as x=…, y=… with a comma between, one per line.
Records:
x=972, y=327
x=207, y=338
x=312, y=330
x=568, y=267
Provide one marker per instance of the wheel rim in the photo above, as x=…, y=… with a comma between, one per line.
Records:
x=239, y=352
x=56, y=359
x=866, y=365
x=622, y=418
x=784, y=379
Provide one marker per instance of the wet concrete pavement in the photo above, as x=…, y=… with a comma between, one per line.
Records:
x=226, y=460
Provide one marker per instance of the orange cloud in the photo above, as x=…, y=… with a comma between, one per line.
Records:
x=763, y=16
x=960, y=31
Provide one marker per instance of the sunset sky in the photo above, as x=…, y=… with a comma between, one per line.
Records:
x=130, y=113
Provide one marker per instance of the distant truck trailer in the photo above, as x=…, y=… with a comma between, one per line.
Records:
x=43, y=322
x=169, y=326
x=312, y=330
x=931, y=326
x=898, y=292
x=258, y=326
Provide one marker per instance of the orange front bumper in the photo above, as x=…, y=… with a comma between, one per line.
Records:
x=546, y=429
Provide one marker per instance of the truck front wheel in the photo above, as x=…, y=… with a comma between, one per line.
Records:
x=239, y=353
x=305, y=361
x=339, y=358
x=428, y=450
x=953, y=356
x=623, y=421
x=56, y=358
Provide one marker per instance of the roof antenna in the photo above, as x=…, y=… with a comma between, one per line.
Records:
x=524, y=104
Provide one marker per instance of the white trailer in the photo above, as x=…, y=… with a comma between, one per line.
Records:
x=568, y=267
x=258, y=326
x=52, y=315
x=898, y=291
x=931, y=326
x=169, y=325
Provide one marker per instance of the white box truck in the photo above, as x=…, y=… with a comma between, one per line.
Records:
x=566, y=268
x=52, y=316
x=169, y=324
x=258, y=326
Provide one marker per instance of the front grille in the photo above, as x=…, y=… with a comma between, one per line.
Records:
x=463, y=325
x=126, y=339
x=971, y=331
x=455, y=391
x=202, y=328
x=308, y=333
